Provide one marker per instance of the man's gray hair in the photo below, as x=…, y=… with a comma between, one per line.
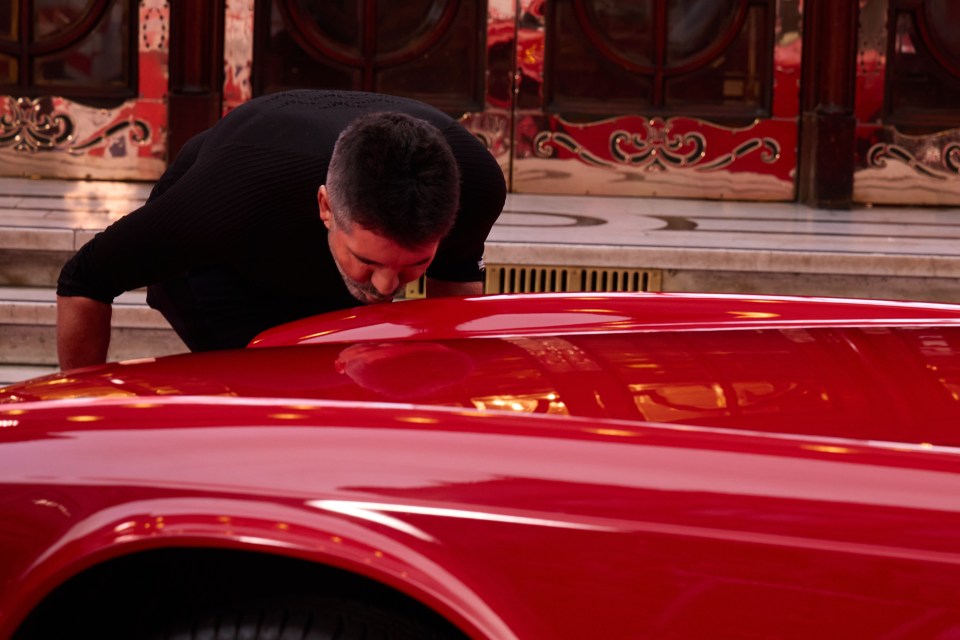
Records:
x=395, y=175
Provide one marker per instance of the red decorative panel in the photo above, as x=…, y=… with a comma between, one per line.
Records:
x=662, y=145
x=674, y=157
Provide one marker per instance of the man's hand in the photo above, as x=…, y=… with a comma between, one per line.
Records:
x=83, y=331
x=441, y=288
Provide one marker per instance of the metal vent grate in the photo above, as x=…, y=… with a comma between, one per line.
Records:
x=543, y=278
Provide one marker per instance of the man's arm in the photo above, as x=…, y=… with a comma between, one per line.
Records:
x=441, y=288
x=83, y=331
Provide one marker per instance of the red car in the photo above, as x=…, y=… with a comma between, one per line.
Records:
x=549, y=466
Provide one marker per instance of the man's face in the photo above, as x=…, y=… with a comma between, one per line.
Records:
x=373, y=267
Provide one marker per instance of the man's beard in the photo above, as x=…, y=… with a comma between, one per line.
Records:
x=365, y=293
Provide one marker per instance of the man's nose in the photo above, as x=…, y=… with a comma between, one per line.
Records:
x=385, y=281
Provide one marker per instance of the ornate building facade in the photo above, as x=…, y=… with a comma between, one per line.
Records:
x=830, y=102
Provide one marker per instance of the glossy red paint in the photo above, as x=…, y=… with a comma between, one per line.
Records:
x=788, y=476
x=609, y=529
x=574, y=313
x=836, y=369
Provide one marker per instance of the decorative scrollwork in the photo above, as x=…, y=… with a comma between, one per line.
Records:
x=139, y=133
x=542, y=149
x=25, y=126
x=768, y=147
x=951, y=157
x=878, y=155
x=491, y=129
x=656, y=148
x=33, y=125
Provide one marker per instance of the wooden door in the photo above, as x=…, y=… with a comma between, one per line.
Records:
x=908, y=103
x=82, y=87
x=690, y=98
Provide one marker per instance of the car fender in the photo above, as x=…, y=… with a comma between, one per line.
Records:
x=250, y=525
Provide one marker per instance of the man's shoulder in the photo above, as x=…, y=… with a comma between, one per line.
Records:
x=309, y=120
x=327, y=103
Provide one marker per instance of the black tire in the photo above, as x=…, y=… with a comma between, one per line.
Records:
x=307, y=619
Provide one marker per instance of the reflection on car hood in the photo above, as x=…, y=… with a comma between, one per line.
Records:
x=879, y=382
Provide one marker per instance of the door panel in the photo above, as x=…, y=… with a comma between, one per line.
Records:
x=456, y=55
x=686, y=98
x=430, y=50
x=84, y=83
x=649, y=97
x=908, y=103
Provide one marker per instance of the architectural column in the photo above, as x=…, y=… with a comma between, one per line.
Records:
x=827, y=101
x=196, y=69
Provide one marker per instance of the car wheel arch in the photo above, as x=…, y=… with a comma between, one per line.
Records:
x=119, y=536
x=137, y=587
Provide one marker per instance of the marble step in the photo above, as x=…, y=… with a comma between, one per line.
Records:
x=15, y=373
x=32, y=258
x=28, y=328
x=43, y=222
x=686, y=245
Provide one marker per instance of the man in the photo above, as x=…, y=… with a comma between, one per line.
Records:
x=294, y=204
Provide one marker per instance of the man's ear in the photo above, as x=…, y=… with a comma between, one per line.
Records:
x=326, y=214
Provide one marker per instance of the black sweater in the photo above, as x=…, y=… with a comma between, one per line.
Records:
x=230, y=241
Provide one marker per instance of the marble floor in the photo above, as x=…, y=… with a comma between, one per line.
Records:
x=876, y=242
x=662, y=233
x=727, y=225
x=593, y=220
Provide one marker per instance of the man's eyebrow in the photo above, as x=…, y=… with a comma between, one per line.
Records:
x=374, y=263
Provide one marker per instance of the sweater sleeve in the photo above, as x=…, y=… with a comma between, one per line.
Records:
x=210, y=214
x=482, y=195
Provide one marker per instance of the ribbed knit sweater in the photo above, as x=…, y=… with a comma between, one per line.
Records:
x=230, y=241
